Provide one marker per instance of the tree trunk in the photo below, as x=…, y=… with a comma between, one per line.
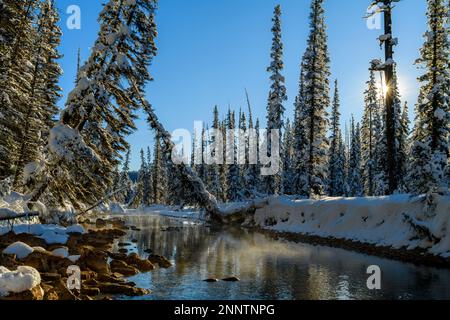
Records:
x=390, y=115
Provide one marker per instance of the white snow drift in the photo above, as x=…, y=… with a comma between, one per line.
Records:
x=20, y=249
x=24, y=278
x=399, y=221
x=51, y=233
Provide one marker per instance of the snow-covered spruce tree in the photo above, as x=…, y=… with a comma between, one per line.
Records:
x=354, y=174
x=44, y=93
x=368, y=135
x=233, y=176
x=316, y=101
x=148, y=192
x=345, y=150
x=141, y=193
x=341, y=163
x=430, y=141
x=159, y=173
x=252, y=174
x=86, y=143
x=258, y=179
x=405, y=145
x=381, y=182
x=300, y=174
x=277, y=95
x=214, y=185
x=401, y=136
x=243, y=155
x=138, y=193
x=223, y=169
x=17, y=36
x=125, y=183
x=199, y=149
x=288, y=152
x=335, y=168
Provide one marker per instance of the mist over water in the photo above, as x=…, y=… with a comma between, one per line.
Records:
x=267, y=268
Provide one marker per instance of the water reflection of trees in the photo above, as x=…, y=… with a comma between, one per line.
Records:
x=271, y=269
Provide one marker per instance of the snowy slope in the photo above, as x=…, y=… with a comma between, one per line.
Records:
x=398, y=221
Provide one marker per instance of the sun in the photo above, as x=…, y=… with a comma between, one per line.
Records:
x=382, y=88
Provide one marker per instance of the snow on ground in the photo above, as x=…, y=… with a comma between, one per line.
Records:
x=15, y=203
x=24, y=278
x=62, y=252
x=20, y=249
x=51, y=233
x=400, y=221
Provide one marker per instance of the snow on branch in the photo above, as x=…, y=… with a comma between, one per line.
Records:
x=68, y=144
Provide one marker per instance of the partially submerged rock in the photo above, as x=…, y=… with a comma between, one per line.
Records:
x=231, y=279
x=114, y=288
x=159, y=260
x=122, y=267
x=93, y=259
x=141, y=264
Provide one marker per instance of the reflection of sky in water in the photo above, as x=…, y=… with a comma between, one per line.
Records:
x=269, y=269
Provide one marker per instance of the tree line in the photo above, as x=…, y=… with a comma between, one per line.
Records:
x=72, y=158
x=317, y=157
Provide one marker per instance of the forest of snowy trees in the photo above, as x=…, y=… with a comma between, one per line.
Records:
x=75, y=158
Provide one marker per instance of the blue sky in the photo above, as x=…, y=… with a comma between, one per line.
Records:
x=210, y=51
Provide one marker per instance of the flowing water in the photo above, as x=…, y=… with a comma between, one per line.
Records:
x=267, y=268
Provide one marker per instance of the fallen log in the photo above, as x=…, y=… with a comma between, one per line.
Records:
x=20, y=216
x=205, y=198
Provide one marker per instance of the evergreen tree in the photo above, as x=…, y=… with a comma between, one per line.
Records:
x=287, y=159
x=243, y=156
x=223, y=169
x=86, y=143
x=400, y=135
x=354, y=175
x=214, y=175
x=126, y=185
x=18, y=35
x=341, y=165
x=381, y=182
x=43, y=94
x=368, y=136
x=277, y=95
x=316, y=100
x=430, y=148
x=233, y=191
x=148, y=193
x=300, y=177
x=158, y=173
x=252, y=174
x=335, y=184
x=144, y=179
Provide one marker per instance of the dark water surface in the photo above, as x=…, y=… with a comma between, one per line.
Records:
x=268, y=269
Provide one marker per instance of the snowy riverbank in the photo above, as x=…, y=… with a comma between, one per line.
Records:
x=398, y=221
